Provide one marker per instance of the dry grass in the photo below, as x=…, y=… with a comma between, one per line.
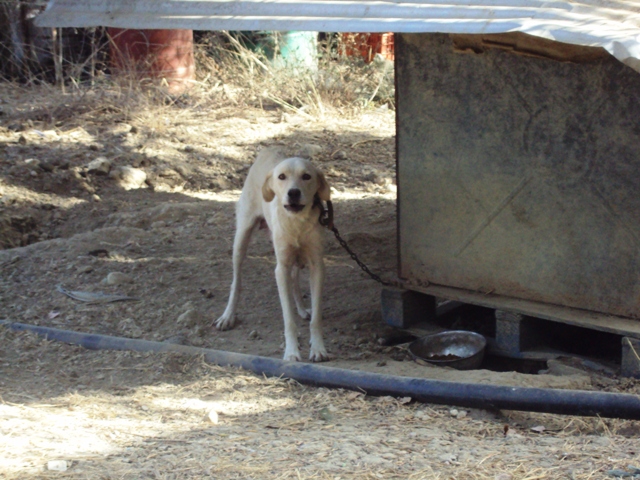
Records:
x=229, y=74
x=343, y=84
x=156, y=424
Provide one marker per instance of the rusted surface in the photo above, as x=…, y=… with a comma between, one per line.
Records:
x=523, y=44
x=158, y=54
x=517, y=175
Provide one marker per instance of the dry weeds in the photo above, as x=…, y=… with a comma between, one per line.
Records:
x=127, y=415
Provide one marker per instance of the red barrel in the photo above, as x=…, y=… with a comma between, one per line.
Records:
x=154, y=54
x=368, y=44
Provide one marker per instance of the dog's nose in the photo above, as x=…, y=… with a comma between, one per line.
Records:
x=294, y=194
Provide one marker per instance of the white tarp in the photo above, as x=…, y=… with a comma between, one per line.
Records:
x=613, y=25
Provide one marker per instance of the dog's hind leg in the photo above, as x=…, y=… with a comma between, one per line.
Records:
x=244, y=229
x=297, y=293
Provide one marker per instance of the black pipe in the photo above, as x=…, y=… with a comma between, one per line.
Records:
x=566, y=402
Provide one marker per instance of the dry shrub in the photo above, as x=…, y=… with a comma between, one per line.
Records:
x=230, y=68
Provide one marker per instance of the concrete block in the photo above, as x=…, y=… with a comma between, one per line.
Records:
x=516, y=333
x=630, y=366
x=404, y=308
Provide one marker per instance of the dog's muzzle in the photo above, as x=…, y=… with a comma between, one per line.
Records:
x=294, y=196
x=294, y=207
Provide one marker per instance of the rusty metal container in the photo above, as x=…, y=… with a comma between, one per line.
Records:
x=157, y=55
x=518, y=181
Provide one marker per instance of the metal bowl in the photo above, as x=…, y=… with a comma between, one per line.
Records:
x=455, y=348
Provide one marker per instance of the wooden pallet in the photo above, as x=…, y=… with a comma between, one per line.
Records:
x=521, y=329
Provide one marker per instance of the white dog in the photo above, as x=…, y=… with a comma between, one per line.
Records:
x=284, y=193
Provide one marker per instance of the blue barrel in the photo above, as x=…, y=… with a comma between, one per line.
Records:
x=294, y=50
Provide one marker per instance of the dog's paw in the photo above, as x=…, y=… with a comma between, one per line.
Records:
x=318, y=355
x=225, y=322
x=292, y=357
x=304, y=314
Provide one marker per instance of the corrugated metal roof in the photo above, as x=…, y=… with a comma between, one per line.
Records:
x=614, y=25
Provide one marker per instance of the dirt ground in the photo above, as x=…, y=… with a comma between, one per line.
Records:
x=143, y=205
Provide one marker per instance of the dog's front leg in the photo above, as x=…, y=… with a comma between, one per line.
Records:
x=285, y=290
x=318, y=351
x=297, y=294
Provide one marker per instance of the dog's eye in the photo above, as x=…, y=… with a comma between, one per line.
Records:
x=282, y=176
x=306, y=176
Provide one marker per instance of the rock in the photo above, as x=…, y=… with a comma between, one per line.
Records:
x=177, y=340
x=117, y=278
x=219, y=183
x=340, y=155
x=46, y=167
x=85, y=269
x=138, y=161
x=57, y=465
x=309, y=150
x=325, y=414
x=95, y=198
x=99, y=166
x=461, y=414
x=183, y=170
x=447, y=457
x=377, y=178
x=129, y=178
x=190, y=318
x=213, y=417
x=601, y=441
x=130, y=327
x=202, y=330
x=62, y=164
x=292, y=119
x=87, y=187
x=454, y=412
x=169, y=173
x=158, y=224
x=619, y=473
x=254, y=335
x=8, y=200
x=48, y=134
x=76, y=174
x=503, y=476
x=165, y=178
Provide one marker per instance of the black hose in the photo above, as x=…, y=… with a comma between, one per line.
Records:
x=567, y=402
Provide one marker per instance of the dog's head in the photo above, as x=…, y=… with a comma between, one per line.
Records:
x=295, y=182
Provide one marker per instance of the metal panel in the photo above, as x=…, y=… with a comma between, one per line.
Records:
x=613, y=25
x=518, y=175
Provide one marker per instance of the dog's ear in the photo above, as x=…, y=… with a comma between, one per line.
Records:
x=324, y=191
x=267, y=191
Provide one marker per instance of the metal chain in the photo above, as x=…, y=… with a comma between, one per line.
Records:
x=355, y=258
x=326, y=220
